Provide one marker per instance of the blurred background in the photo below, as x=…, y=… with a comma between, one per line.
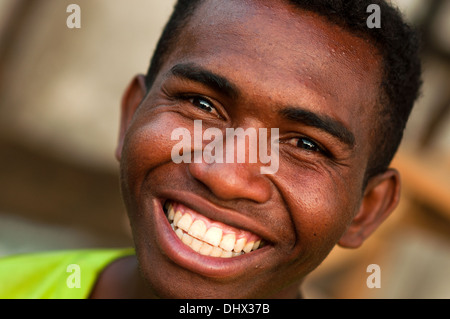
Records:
x=60, y=92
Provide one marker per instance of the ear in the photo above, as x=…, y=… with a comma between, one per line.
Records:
x=381, y=196
x=132, y=98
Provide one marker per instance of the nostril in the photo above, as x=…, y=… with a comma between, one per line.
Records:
x=229, y=181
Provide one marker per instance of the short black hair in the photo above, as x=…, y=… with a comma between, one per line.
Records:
x=183, y=10
x=397, y=42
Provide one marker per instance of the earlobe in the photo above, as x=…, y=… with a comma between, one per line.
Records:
x=380, y=199
x=132, y=98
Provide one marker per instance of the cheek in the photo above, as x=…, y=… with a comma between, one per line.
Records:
x=322, y=218
x=147, y=145
x=321, y=206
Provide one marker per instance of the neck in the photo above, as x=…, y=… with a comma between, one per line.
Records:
x=121, y=280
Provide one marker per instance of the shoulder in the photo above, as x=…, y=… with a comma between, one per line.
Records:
x=57, y=274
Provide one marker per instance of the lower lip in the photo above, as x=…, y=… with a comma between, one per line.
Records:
x=187, y=258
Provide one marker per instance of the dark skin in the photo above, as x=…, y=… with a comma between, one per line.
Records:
x=303, y=68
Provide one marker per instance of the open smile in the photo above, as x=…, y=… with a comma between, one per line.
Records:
x=208, y=237
x=204, y=245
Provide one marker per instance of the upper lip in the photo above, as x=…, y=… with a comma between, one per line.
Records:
x=224, y=215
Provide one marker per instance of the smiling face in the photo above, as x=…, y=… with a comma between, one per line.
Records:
x=223, y=229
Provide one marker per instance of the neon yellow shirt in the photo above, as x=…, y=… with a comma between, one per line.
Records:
x=54, y=275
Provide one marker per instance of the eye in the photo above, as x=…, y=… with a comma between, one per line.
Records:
x=308, y=145
x=202, y=103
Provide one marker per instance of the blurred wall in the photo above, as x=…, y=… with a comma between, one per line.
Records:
x=62, y=87
x=60, y=92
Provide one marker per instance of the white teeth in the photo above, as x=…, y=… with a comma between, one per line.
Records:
x=197, y=229
x=179, y=233
x=185, y=222
x=228, y=242
x=228, y=247
x=256, y=245
x=226, y=254
x=213, y=236
x=171, y=213
x=240, y=243
x=196, y=244
x=177, y=217
x=208, y=242
x=186, y=239
x=206, y=249
x=248, y=246
x=216, y=252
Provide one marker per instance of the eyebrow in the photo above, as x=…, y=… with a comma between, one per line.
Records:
x=322, y=122
x=193, y=72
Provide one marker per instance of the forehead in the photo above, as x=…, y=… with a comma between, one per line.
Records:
x=275, y=49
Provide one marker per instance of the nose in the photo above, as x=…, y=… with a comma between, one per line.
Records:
x=230, y=181
x=233, y=179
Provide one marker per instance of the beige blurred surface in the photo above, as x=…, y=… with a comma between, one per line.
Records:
x=60, y=92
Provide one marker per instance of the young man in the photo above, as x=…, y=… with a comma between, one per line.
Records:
x=339, y=94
